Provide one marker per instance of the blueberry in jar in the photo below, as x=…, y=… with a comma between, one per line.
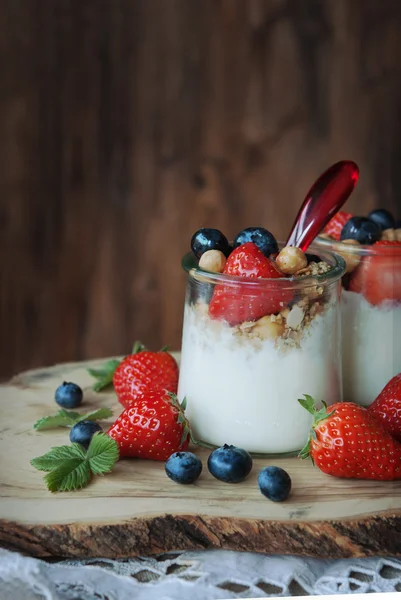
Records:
x=383, y=218
x=209, y=239
x=68, y=395
x=183, y=467
x=361, y=229
x=230, y=464
x=83, y=431
x=274, y=483
x=263, y=239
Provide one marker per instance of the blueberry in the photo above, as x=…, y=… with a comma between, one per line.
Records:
x=183, y=467
x=263, y=239
x=397, y=224
x=68, y=395
x=82, y=432
x=274, y=483
x=230, y=464
x=383, y=218
x=362, y=230
x=209, y=239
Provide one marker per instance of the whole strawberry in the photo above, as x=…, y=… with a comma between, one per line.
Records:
x=348, y=442
x=387, y=407
x=154, y=427
x=144, y=370
x=236, y=303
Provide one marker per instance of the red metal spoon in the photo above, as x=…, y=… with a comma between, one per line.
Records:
x=324, y=199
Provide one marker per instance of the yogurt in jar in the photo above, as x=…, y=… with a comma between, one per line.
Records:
x=243, y=390
x=371, y=346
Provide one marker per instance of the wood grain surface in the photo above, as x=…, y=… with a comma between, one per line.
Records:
x=128, y=124
x=137, y=510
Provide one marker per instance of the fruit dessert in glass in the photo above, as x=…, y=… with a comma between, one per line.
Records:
x=261, y=329
x=371, y=300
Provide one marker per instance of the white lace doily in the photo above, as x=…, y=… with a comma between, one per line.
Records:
x=210, y=575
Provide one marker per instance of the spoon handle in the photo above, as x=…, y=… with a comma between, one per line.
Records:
x=324, y=199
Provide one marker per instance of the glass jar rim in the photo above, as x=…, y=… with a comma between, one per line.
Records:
x=337, y=263
x=335, y=246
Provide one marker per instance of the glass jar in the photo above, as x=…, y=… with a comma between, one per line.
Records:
x=371, y=317
x=242, y=379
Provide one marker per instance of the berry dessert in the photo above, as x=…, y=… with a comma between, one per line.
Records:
x=257, y=321
x=371, y=300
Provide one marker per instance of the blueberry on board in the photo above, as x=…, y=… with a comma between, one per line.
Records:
x=361, y=229
x=209, y=239
x=263, y=239
x=183, y=467
x=274, y=483
x=230, y=464
x=82, y=432
x=68, y=395
x=383, y=218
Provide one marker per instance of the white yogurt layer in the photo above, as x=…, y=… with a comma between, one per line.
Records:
x=245, y=392
x=371, y=347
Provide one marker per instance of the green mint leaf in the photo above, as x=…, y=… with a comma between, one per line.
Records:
x=104, y=375
x=102, y=453
x=72, y=474
x=57, y=456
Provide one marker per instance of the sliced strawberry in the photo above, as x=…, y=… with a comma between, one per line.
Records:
x=387, y=407
x=237, y=303
x=336, y=224
x=378, y=277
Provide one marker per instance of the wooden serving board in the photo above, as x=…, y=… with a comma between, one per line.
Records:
x=137, y=510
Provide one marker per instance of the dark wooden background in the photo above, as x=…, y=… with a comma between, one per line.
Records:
x=127, y=124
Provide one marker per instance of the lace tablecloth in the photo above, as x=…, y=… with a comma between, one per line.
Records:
x=207, y=575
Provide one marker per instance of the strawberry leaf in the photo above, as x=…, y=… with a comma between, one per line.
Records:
x=102, y=453
x=72, y=474
x=65, y=418
x=137, y=347
x=71, y=467
x=56, y=456
x=104, y=375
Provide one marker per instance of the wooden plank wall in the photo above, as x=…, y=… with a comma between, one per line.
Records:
x=127, y=124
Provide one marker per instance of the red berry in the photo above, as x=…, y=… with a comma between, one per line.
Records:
x=348, y=442
x=142, y=371
x=378, y=276
x=153, y=427
x=336, y=224
x=238, y=303
x=387, y=407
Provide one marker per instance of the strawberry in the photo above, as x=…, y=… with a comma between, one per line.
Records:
x=143, y=370
x=378, y=276
x=387, y=407
x=335, y=226
x=348, y=442
x=153, y=427
x=238, y=303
